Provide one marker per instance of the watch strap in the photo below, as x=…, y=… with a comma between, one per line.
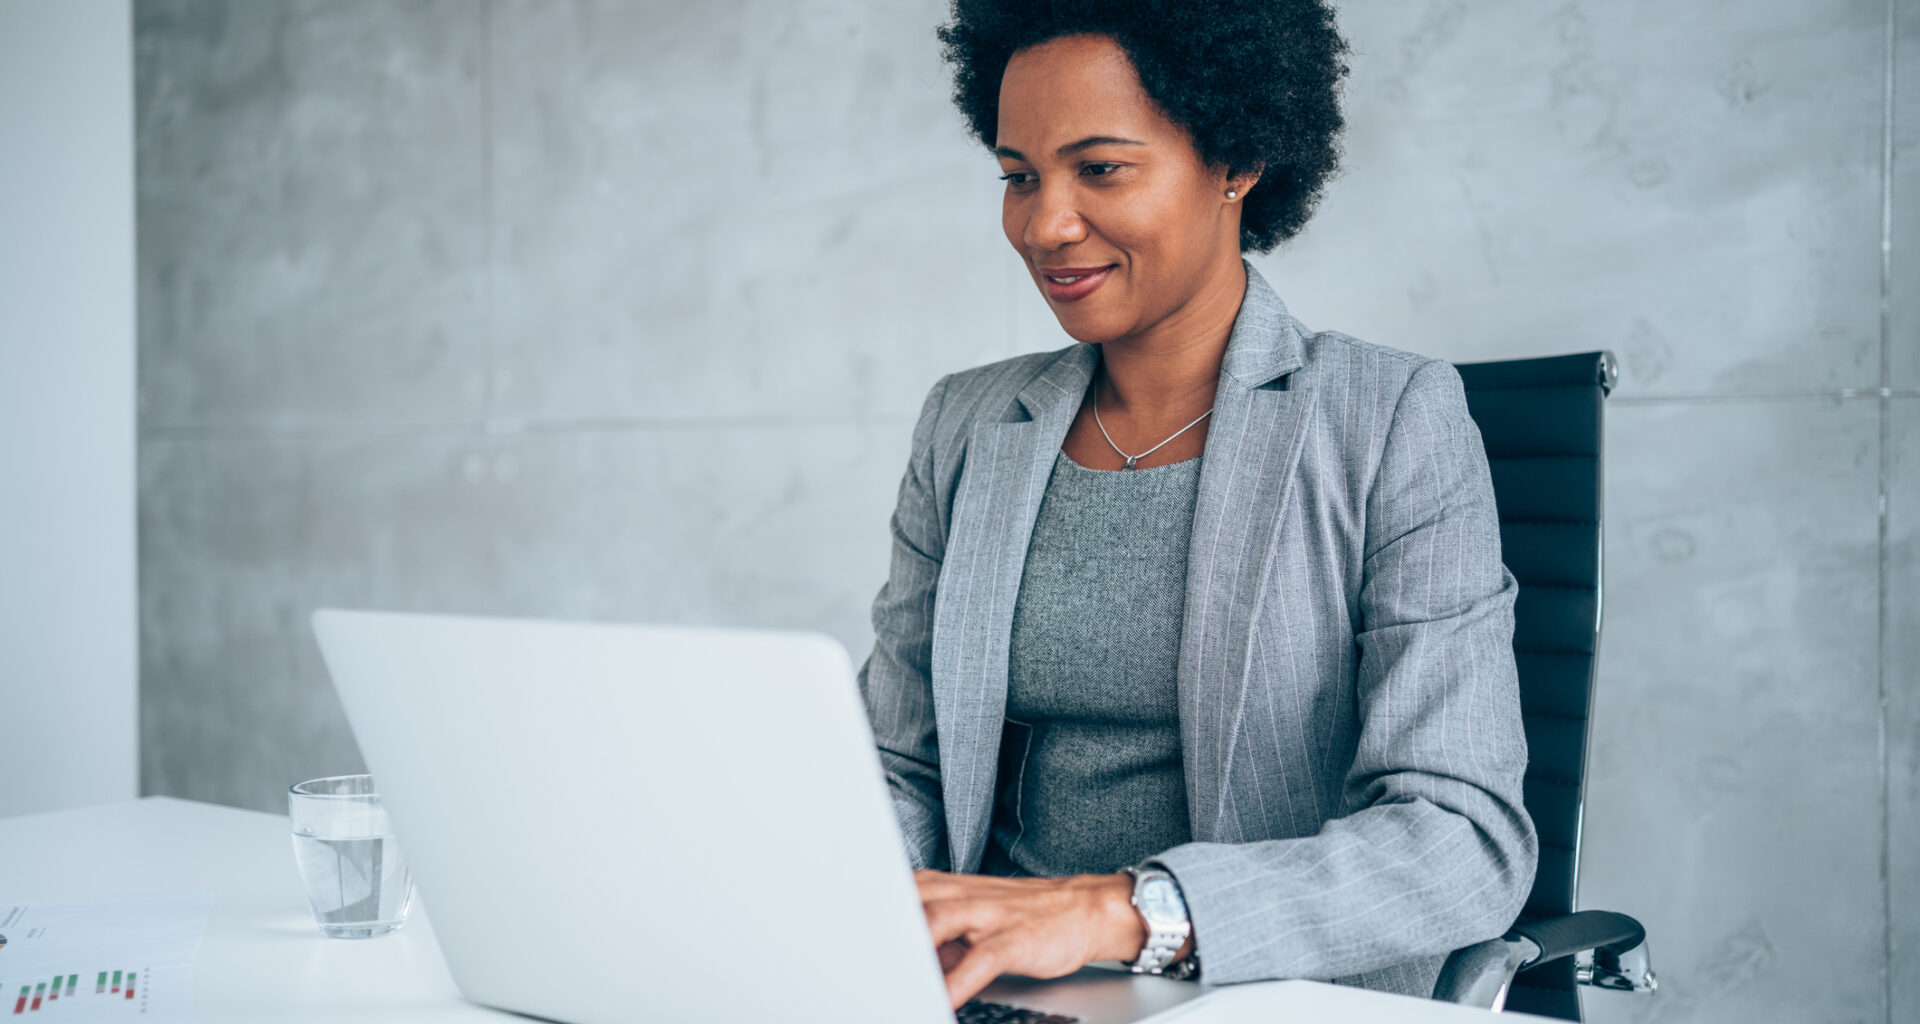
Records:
x=1187, y=968
x=1164, y=939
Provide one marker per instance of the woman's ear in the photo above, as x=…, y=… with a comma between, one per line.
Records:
x=1238, y=184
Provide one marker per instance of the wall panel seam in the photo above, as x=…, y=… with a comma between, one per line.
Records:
x=1885, y=401
x=487, y=210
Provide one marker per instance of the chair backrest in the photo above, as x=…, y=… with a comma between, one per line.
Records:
x=1541, y=422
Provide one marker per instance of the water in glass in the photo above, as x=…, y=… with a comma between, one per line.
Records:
x=355, y=872
x=359, y=888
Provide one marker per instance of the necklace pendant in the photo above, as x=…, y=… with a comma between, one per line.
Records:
x=1133, y=462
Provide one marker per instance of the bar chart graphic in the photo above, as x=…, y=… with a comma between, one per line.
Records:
x=100, y=960
x=61, y=997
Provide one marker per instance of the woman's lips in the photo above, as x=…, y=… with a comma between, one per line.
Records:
x=1071, y=284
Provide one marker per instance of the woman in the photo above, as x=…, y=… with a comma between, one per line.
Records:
x=1206, y=609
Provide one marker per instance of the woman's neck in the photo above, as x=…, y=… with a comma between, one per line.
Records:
x=1174, y=366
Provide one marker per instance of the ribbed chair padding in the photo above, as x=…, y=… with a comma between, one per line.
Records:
x=1541, y=422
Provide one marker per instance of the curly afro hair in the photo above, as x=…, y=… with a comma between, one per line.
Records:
x=1255, y=83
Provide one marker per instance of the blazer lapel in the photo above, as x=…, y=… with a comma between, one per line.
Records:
x=1008, y=463
x=1254, y=441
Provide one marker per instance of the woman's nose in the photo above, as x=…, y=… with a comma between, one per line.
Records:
x=1054, y=222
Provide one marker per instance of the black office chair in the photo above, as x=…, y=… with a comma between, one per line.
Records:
x=1540, y=420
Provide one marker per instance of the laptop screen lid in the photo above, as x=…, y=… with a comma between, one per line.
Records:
x=620, y=822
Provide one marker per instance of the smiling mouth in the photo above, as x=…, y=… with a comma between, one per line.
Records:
x=1080, y=275
x=1071, y=284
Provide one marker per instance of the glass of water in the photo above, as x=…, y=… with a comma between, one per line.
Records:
x=357, y=878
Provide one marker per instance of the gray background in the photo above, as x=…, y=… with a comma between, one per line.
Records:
x=622, y=310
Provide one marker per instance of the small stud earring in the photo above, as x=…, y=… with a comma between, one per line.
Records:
x=1231, y=194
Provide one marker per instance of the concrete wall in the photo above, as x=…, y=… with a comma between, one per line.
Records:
x=622, y=310
x=68, y=644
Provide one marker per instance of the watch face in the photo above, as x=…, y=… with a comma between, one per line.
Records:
x=1160, y=900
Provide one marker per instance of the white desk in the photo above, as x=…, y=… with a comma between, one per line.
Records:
x=262, y=959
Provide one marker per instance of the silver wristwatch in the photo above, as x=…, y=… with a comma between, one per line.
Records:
x=1156, y=896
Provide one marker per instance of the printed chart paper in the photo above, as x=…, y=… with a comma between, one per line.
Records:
x=103, y=961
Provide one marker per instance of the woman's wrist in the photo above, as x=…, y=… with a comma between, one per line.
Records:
x=1119, y=930
x=1123, y=932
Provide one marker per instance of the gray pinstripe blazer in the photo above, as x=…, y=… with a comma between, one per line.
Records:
x=1349, y=709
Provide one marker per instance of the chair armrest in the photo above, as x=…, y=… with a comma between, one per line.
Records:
x=1598, y=930
x=1480, y=975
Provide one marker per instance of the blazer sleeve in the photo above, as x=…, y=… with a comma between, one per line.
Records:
x=1434, y=850
x=896, y=679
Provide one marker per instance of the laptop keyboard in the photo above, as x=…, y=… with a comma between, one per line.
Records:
x=978, y=1012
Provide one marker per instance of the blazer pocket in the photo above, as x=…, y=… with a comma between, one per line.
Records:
x=1015, y=739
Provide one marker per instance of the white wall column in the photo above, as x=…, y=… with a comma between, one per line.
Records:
x=69, y=656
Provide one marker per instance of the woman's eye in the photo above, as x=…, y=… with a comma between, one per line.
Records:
x=1021, y=179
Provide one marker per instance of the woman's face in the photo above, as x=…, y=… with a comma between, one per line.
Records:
x=1103, y=187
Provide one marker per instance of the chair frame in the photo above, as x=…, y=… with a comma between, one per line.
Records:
x=1612, y=948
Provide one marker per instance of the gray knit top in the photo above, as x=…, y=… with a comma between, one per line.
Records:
x=1090, y=774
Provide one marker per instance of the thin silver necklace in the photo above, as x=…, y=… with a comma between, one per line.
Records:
x=1133, y=461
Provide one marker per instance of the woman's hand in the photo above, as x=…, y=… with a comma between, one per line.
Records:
x=984, y=926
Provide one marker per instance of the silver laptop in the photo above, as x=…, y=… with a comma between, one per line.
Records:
x=637, y=822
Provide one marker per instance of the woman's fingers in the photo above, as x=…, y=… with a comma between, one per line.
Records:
x=983, y=927
x=934, y=885
x=985, y=961
x=948, y=920
x=939, y=885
